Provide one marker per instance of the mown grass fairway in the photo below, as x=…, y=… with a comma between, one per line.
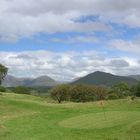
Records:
x=99, y=121
x=24, y=117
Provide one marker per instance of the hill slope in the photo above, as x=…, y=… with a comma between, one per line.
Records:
x=102, y=78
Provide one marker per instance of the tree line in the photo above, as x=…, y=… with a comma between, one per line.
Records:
x=80, y=93
x=88, y=93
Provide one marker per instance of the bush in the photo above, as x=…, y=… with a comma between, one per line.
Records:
x=21, y=90
x=121, y=90
x=113, y=96
x=82, y=93
x=133, y=97
x=2, y=89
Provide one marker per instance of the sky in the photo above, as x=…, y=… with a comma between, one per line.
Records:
x=66, y=39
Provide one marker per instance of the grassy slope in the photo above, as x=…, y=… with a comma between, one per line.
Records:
x=24, y=117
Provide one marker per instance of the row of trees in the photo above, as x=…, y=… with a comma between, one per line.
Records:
x=86, y=93
x=78, y=93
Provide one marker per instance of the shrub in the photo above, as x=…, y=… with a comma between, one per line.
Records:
x=2, y=89
x=133, y=97
x=113, y=96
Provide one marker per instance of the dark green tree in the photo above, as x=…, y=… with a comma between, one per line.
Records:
x=60, y=93
x=2, y=89
x=3, y=72
x=121, y=90
x=136, y=89
x=82, y=93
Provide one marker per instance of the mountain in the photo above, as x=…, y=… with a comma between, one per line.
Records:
x=96, y=78
x=137, y=77
x=42, y=81
x=104, y=79
x=11, y=81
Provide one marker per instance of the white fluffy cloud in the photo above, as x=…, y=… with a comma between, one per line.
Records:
x=65, y=66
x=24, y=18
x=76, y=39
x=127, y=46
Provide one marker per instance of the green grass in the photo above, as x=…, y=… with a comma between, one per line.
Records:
x=24, y=117
x=100, y=121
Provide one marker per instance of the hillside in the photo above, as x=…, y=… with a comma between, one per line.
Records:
x=105, y=79
x=11, y=81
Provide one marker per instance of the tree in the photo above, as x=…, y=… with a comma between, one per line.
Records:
x=136, y=89
x=2, y=89
x=3, y=72
x=120, y=89
x=82, y=93
x=101, y=92
x=60, y=93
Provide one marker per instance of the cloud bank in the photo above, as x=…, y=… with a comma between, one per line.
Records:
x=21, y=18
x=106, y=25
x=65, y=66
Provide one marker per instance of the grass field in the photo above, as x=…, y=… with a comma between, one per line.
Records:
x=24, y=117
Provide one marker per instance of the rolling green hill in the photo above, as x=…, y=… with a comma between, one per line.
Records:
x=105, y=79
x=26, y=117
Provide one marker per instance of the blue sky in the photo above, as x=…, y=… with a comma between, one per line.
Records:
x=59, y=42
x=99, y=33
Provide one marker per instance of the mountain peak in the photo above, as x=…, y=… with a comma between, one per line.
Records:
x=103, y=78
x=98, y=72
x=101, y=72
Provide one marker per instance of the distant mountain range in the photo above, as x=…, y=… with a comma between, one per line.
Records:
x=137, y=77
x=11, y=81
x=104, y=79
x=96, y=78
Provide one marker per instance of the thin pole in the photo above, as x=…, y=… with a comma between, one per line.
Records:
x=103, y=110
